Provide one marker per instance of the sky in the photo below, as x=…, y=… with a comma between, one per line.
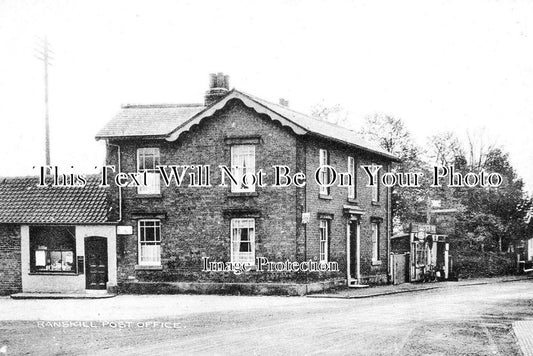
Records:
x=437, y=65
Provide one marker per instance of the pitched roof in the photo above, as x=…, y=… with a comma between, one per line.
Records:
x=23, y=202
x=148, y=120
x=169, y=121
x=324, y=128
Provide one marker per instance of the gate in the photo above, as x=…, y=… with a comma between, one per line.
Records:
x=400, y=268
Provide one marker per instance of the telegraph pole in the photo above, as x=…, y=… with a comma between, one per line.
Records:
x=44, y=54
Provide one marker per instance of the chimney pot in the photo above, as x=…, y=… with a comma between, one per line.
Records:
x=212, y=80
x=283, y=102
x=218, y=88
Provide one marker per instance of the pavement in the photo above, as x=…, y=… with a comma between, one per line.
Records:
x=62, y=295
x=524, y=333
x=376, y=291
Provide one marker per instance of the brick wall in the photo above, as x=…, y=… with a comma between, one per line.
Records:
x=338, y=158
x=197, y=223
x=10, y=271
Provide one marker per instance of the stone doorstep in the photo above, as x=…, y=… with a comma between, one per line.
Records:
x=62, y=295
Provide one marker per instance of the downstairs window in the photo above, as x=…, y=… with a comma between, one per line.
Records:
x=52, y=249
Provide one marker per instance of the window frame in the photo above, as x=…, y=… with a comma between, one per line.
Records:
x=352, y=192
x=375, y=238
x=153, y=179
x=156, y=242
x=323, y=243
x=234, y=255
x=323, y=160
x=47, y=241
x=375, y=187
x=236, y=172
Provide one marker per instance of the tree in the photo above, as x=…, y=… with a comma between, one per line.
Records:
x=479, y=145
x=444, y=148
x=498, y=203
x=335, y=114
x=408, y=203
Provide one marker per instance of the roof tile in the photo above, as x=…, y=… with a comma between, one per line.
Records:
x=23, y=201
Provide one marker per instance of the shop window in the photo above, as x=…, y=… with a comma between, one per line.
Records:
x=52, y=249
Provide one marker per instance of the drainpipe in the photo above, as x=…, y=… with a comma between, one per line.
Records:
x=119, y=188
x=305, y=207
x=389, y=258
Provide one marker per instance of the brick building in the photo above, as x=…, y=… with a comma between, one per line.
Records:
x=55, y=239
x=162, y=238
x=175, y=229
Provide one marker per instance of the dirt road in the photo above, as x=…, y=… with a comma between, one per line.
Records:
x=473, y=320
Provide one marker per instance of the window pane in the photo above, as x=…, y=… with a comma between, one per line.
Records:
x=67, y=260
x=323, y=253
x=149, y=162
x=55, y=260
x=243, y=240
x=153, y=184
x=151, y=254
x=375, y=241
x=149, y=234
x=351, y=171
x=149, y=242
x=40, y=258
x=242, y=163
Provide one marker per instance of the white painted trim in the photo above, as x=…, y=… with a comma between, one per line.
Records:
x=73, y=283
x=350, y=258
x=195, y=120
x=358, y=238
x=348, y=253
x=139, y=242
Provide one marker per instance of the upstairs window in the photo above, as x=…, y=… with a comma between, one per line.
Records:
x=243, y=241
x=243, y=164
x=148, y=160
x=149, y=243
x=351, y=172
x=375, y=188
x=324, y=172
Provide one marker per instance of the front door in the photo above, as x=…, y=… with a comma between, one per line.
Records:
x=95, y=263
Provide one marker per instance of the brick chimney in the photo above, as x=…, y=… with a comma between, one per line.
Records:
x=218, y=88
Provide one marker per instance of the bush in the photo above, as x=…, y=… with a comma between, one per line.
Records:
x=483, y=264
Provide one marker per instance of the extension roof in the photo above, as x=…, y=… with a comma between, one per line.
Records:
x=23, y=202
x=168, y=121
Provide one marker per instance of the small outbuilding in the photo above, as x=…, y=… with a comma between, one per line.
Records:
x=55, y=239
x=421, y=254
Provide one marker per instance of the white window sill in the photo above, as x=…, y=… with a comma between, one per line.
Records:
x=148, y=267
x=243, y=194
x=149, y=195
